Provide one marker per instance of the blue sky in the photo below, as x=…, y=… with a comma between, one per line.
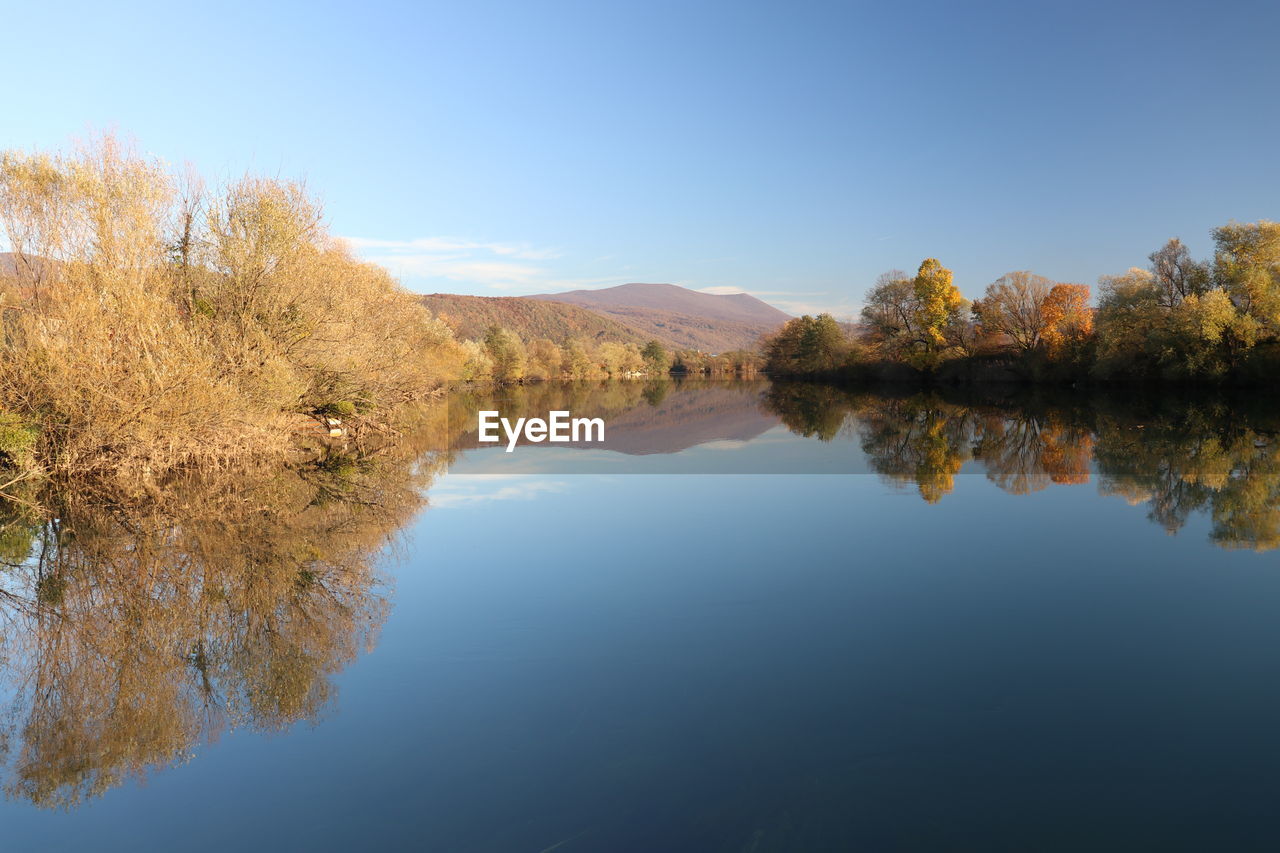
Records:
x=793, y=150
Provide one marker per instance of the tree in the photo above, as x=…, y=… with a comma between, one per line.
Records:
x=806, y=345
x=618, y=359
x=1176, y=275
x=1129, y=316
x=1206, y=336
x=1247, y=266
x=1068, y=320
x=546, y=359
x=656, y=358
x=890, y=312
x=577, y=360
x=937, y=302
x=1013, y=307
x=508, y=354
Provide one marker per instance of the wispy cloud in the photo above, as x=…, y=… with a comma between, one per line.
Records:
x=463, y=490
x=452, y=246
x=462, y=264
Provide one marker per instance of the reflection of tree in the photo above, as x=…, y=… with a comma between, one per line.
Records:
x=1024, y=453
x=919, y=440
x=1179, y=460
x=1011, y=450
x=656, y=391
x=1188, y=460
x=131, y=636
x=813, y=411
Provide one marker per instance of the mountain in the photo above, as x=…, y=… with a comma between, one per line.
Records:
x=10, y=266
x=471, y=316
x=685, y=318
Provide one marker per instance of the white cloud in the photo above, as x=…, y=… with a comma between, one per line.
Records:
x=472, y=265
x=840, y=309
x=452, y=246
x=462, y=490
x=797, y=302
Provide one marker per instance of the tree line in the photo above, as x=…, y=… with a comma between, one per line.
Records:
x=503, y=356
x=1178, y=319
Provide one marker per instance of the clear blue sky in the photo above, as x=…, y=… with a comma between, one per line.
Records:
x=793, y=150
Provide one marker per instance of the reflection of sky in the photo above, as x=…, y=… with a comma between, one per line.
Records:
x=465, y=490
x=618, y=647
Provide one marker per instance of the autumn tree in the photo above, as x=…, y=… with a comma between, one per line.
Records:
x=1013, y=307
x=1068, y=319
x=1247, y=266
x=890, y=313
x=508, y=353
x=1127, y=318
x=1176, y=274
x=806, y=345
x=1205, y=335
x=546, y=359
x=577, y=360
x=938, y=301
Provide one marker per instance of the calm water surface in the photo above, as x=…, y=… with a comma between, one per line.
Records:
x=835, y=622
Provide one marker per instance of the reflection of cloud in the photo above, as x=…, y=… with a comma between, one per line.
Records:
x=724, y=444
x=459, y=490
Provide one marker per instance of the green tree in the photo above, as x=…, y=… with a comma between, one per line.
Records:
x=508, y=354
x=657, y=360
x=806, y=345
x=1247, y=266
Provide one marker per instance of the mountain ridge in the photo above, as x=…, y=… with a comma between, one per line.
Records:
x=691, y=319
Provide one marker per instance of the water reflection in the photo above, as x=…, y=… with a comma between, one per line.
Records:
x=131, y=635
x=643, y=418
x=1178, y=456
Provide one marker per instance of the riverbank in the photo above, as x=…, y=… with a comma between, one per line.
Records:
x=149, y=324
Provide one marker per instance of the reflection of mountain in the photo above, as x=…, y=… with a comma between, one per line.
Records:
x=640, y=418
x=687, y=419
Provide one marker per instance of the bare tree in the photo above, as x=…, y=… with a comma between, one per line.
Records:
x=1013, y=306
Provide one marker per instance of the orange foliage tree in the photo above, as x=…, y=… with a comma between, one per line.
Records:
x=1068, y=319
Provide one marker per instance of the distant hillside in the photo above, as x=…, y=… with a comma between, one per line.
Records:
x=685, y=318
x=471, y=316
x=9, y=264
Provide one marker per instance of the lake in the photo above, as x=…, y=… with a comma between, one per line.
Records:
x=755, y=618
